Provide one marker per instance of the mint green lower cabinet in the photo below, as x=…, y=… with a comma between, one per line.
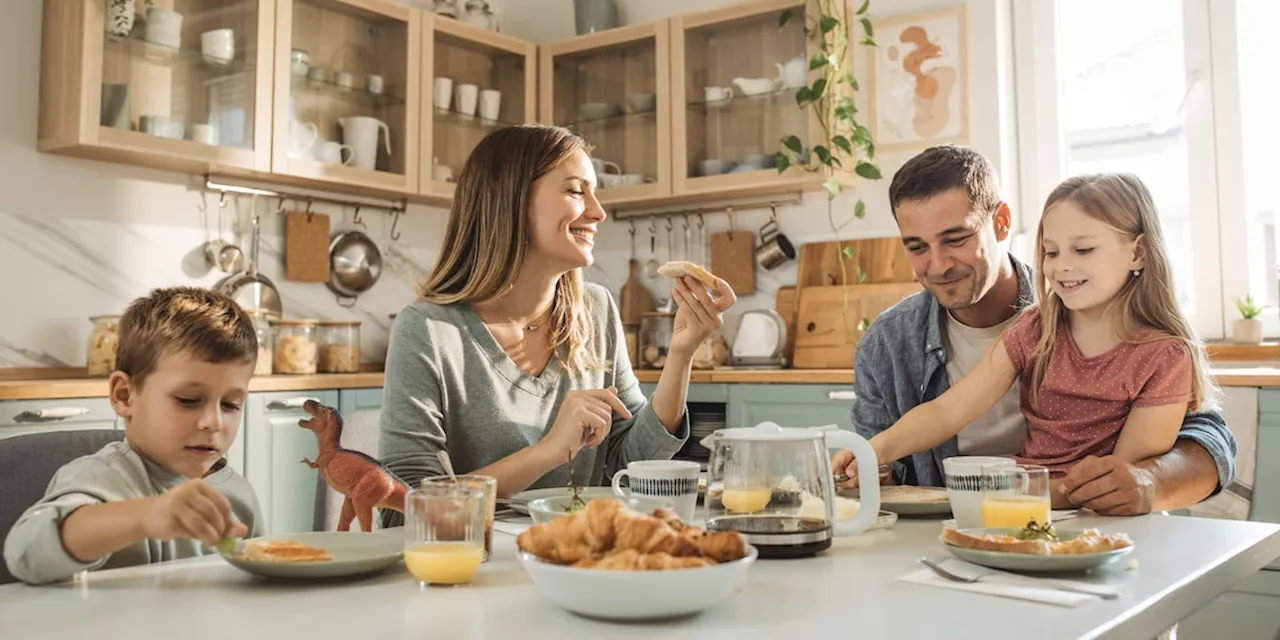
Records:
x=790, y=405
x=274, y=448
x=21, y=417
x=353, y=400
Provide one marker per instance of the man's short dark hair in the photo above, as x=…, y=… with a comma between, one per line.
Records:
x=943, y=168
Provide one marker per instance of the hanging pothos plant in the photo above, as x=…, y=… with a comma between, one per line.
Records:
x=845, y=143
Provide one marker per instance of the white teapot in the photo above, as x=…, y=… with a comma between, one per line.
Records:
x=793, y=73
x=480, y=15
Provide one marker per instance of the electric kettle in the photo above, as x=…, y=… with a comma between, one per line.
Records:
x=774, y=486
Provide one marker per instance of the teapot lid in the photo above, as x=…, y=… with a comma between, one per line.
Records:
x=771, y=432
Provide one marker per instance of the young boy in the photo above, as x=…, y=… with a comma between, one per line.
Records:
x=183, y=365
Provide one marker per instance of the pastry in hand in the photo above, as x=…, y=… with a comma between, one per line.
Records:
x=682, y=268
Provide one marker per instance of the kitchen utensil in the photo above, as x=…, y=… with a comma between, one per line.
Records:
x=732, y=259
x=218, y=252
x=761, y=339
x=635, y=298
x=784, y=302
x=960, y=571
x=760, y=477
x=252, y=290
x=827, y=320
x=775, y=248
x=355, y=264
x=306, y=248
x=651, y=267
x=361, y=134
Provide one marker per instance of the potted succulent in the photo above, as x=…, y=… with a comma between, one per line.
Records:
x=1248, y=329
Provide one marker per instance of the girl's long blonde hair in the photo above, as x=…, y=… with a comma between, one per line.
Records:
x=486, y=240
x=1147, y=300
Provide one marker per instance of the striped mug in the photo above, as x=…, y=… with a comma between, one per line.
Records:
x=672, y=480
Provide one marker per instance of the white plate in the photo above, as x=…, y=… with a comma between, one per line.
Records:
x=910, y=508
x=520, y=501
x=1033, y=563
x=355, y=553
x=637, y=595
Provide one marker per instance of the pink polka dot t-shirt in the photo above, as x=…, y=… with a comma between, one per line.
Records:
x=1083, y=402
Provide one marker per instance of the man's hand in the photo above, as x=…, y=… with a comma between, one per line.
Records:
x=1110, y=486
x=843, y=461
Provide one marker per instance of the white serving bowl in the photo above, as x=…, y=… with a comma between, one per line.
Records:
x=548, y=509
x=637, y=595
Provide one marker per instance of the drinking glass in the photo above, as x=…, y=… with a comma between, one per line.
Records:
x=1015, y=496
x=444, y=533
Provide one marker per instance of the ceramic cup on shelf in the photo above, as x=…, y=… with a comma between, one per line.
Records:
x=344, y=80
x=299, y=62
x=115, y=106
x=164, y=27
x=442, y=93
x=335, y=153
x=441, y=172
x=466, y=99
x=218, y=47
x=490, y=102
x=204, y=134
x=316, y=73
x=717, y=94
x=373, y=84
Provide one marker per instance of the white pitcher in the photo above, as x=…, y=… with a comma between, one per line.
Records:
x=361, y=134
x=793, y=73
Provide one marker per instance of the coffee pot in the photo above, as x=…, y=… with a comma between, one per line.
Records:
x=361, y=134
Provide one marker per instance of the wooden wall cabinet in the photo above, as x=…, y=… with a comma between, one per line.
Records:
x=473, y=82
x=613, y=88
x=346, y=93
x=187, y=91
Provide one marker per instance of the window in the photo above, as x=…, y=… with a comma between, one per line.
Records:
x=1181, y=93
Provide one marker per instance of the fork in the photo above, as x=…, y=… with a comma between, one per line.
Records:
x=941, y=572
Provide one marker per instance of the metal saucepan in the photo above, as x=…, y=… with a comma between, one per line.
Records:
x=355, y=264
x=251, y=289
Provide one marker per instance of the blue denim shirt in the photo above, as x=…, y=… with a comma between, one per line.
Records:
x=901, y=362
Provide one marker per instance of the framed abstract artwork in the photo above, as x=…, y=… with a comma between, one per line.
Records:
x=920, y=80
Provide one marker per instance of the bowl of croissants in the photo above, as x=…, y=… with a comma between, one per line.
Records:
x=612, y=562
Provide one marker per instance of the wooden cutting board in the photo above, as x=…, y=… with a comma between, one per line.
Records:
x=823, y=339
x=306, y=247
x=733, y=258
x=882, y=260
x=785, y=304
x=635, y=299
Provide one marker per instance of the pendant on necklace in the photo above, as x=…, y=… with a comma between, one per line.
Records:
x=531, y=327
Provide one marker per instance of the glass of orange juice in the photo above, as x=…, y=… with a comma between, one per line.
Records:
x=1015, y=495
x=444, y=527
x=487, y=484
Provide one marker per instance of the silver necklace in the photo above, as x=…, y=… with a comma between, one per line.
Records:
x=531, y=327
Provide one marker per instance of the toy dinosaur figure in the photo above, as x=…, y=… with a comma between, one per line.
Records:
x=364, y=482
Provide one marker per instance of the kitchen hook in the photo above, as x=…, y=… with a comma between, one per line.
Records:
x=395, y=220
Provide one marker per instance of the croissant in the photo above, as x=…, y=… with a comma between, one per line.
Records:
x=721, y=546
x=632, y=560
x=570, y=538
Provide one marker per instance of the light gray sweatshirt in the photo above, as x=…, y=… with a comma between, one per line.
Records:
x=33, y=549
x=449, y=385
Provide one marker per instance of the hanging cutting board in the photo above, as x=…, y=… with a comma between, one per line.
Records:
x=306, y=247
x=733, y=258
x=785, y=305
x=823, y=339
x=882, y=260
x=635, y=299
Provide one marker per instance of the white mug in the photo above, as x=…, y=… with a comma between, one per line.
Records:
x=964, y=487
x=674, y=480
x=343, y=79
x=204, y=134
x=164, y=27
x=467, y=94
x=331, y=152
x=373, y=83
x=442, y=93
x=218, y=46
x=715, y=94
x=490, y=101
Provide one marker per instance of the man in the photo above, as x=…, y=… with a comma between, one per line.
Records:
x=953, y=225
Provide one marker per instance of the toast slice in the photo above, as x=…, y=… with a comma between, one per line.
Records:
x=991, y=542
x=284, y=551
x=678, y=268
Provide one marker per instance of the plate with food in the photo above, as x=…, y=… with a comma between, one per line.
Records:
x=1036, y=549
x=316, y=554
x=906, y=500
x=520, y=501
x=611, y=562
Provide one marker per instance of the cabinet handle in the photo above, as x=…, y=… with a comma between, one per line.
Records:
x=841, y=395
x=290, y=403
x=54, y=413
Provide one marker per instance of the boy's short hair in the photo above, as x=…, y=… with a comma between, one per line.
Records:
x=942, y=168
x=203, y=323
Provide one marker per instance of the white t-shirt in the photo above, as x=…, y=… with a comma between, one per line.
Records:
x=1001, y=430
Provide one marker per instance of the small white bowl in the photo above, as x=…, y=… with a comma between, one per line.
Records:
x=548, y=509
x=637, y=595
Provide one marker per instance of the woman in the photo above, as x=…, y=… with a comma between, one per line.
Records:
x=512, y=363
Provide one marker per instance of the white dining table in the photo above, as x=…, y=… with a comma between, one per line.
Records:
x=849, y=591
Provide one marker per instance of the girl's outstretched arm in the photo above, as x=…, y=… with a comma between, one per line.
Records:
x=932, y=423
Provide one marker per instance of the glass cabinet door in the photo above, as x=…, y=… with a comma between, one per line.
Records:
x=476, y=81
x=346, y=106
x=735, y=75
x=612, y=88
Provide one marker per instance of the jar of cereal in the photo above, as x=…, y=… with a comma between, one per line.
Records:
x=294, y=347
x=266, y=335
x=103, y=340
x=339, y=346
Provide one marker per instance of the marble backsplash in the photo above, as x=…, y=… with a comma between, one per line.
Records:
x=67, y=269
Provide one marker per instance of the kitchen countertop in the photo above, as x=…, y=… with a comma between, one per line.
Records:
x=849, y=591
x=32, y=387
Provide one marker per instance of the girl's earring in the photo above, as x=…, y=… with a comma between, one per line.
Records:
x=1136, y=273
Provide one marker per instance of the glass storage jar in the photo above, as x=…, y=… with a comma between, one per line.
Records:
x=103, y=340
x=294, y=348
x=655, y=338
x=266, y=337
x=339, y=346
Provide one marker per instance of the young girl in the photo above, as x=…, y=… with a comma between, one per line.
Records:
x=1107, y=363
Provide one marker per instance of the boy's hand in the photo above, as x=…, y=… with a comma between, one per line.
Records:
x=192, y=509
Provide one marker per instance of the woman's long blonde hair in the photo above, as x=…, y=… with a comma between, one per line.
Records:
x=1147, y=300
x=486, y=240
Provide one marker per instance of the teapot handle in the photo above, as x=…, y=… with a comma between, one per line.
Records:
x=868, y=480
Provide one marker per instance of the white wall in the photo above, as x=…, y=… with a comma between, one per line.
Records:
x=80, y=238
